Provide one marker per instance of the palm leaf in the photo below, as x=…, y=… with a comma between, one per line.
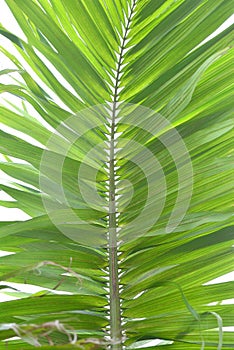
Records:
x=131, y=96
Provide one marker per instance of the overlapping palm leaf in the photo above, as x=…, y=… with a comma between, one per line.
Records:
x=79, y=54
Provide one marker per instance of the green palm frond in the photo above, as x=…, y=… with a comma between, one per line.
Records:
x=119, y=150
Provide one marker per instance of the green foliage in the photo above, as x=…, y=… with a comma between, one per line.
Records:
x=144, y=59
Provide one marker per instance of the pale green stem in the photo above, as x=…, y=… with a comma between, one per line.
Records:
x=116, y=332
